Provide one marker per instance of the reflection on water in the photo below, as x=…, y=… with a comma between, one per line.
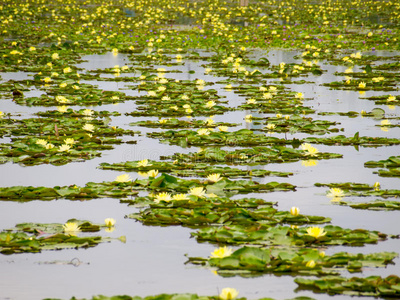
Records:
x=152, y=260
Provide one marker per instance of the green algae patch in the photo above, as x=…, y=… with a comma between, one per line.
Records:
x=35, y=237
x=372, y=286
x=254, y=261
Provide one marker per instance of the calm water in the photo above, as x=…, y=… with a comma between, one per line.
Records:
x=152, y=260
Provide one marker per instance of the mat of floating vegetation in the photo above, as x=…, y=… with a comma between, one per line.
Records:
x=225, y=295
x=35, y=237
x=373, y=286
x=253, y=156
x=359, y=190
x=176, y=123
x=217, y=214
x=245, y=137
x=373, y=205
x=392, y=165
x=252, y=261
x=189, y=169
x=287, y=236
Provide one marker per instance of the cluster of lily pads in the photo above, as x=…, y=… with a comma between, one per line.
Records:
x=47, y=41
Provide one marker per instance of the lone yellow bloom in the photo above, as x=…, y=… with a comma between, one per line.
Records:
x=67, y=70
x=179, y=197
x=71, y=228
x=62, y=109
x=69, y=141
x=362, y=85
x=310, y=264
x=64, y=148
x=223, y=128
x=203, y=131
x=221, y=252
x=62, y=99
x=163, y=197
x=88, y=112
x=310, y=149
x=110, y=222
x=152, y=173
x=197, y=191
x=391, y=98
x=228, y=294
x=214, y=177
x=143, y=163
x=316, y=232
x=294, y=211
x=88, y=127
x=335, y=192
x=123, y=178
x=55, y=56
x=41, y=142
x=270, y=126
x=210, y=104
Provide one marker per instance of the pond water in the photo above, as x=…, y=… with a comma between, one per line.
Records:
x=152, y=260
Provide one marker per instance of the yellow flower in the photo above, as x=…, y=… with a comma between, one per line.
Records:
x=64, y=148
x=210, y=104
x=228, y=294
x=391, y=98
x=377, y=186
x=197, y=191
x=310, y=149
x=47, y=79
x=49, y=146
x=69, y=141
x=71, y=228
x=62, y=99
x=55, y=56
x=123, y=178
x=152, y=173
x=310, y=264
x=299, y=95
x=62, y=109
x=248, y=118
x=221, y=252
x=200, y=82
x=267, y=95
x=110, y=222
x=369, y=34
x=385, y=123
x=335, y=192
x=143, y=163
x=362, y=85
x=179, y=197
x=88, y=112
x=223, y=128
x=214, y=177
x=163, y=197
x=32, y=48
x=294, y=211
x=203, y=131
x=270, y=126
x=88, y=127
x=67, y=70
x=316, y=232
x=322, y=254
x=41, y=142
x=251, y=101
x=151, y=94
x=62, y=85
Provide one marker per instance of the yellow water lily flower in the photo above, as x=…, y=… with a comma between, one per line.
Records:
x=67, y=70
x=197, y=191
x=391, y=98
x=270, y=126
x=123, y=178
x=310, y=264
x=71, y=228
x=385, y=123
x=214, y=177
x=41, y=142
x=110, y=222
x=152, y=173
x=64, y=148
x=294, y=211
x=316, y=232
x=248, y=118
x=267, y=95
x=49, y=146
x=228, y=294
x=180, y=197
x=251, y=101
x=377, y=186
x=55, y=56
x=200, y=82
x=362, y=85
x=210, y=104
x=299, y=95
x=143, y=163
x=223, y=128
x=221, y=252
x=88, y=112
x=69, y=141
x=310, y=149
x=203, y=131
x=62, y=109
x=88, y=127
x=62, y=99
x=162, y=197
x=335, y=192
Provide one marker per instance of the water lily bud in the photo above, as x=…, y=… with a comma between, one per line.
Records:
x=294, y=211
